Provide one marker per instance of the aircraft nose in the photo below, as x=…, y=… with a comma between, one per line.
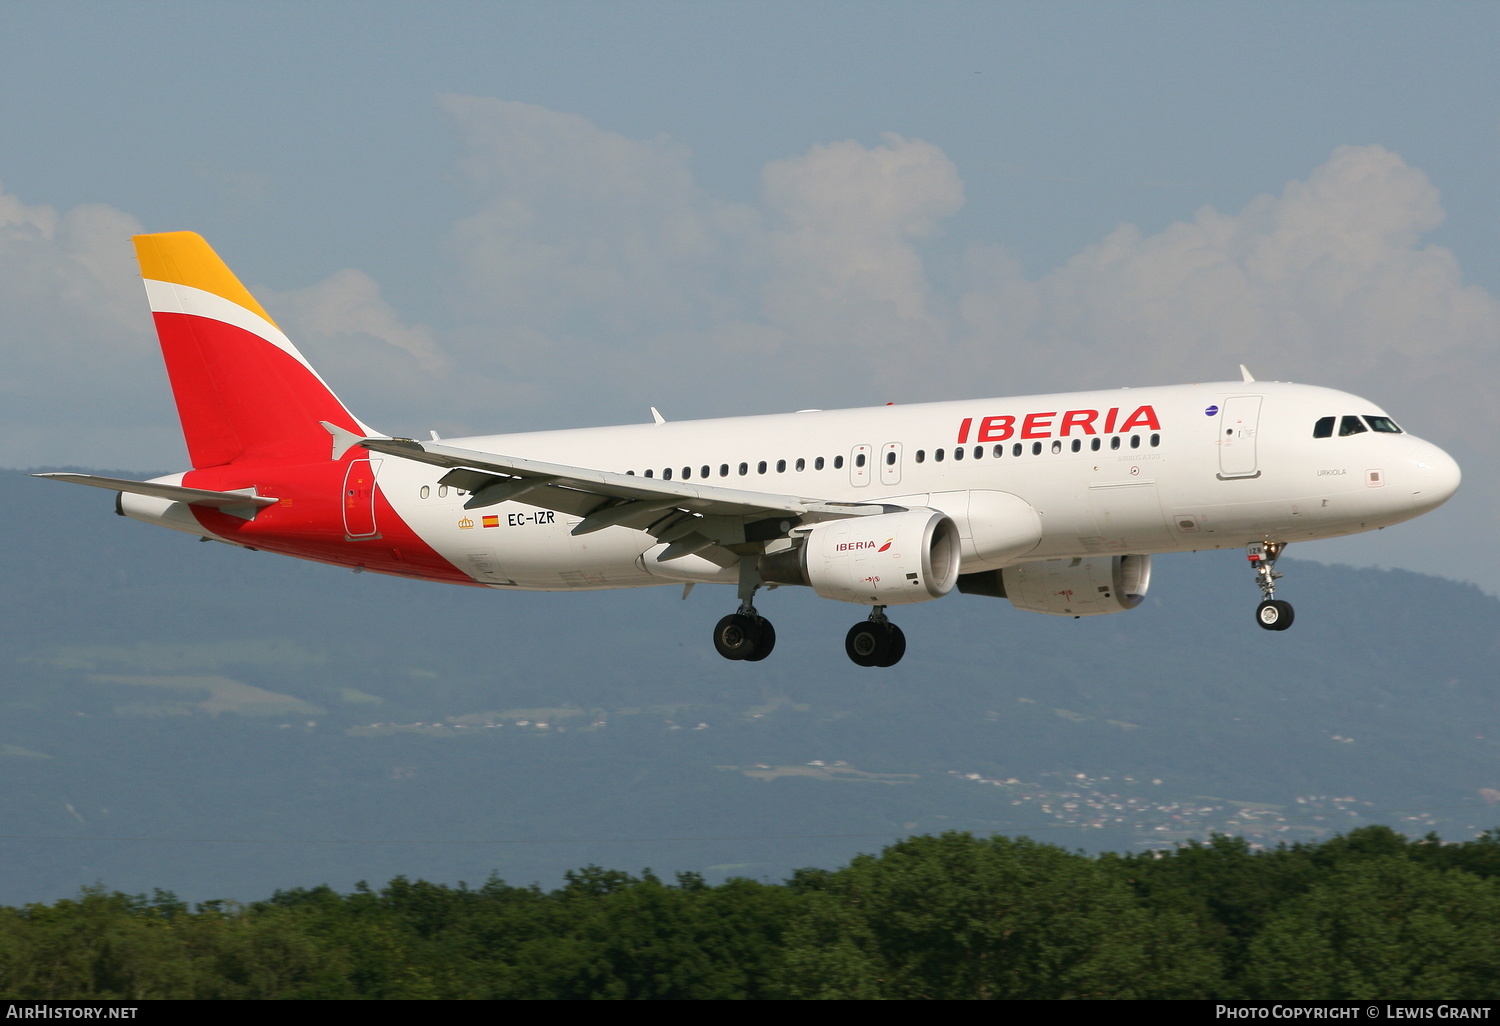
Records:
x=1434, y=475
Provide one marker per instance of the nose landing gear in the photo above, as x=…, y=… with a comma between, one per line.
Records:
x=876, y=641
x=1272, y=614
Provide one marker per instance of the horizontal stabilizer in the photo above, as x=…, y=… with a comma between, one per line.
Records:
x=241, y=503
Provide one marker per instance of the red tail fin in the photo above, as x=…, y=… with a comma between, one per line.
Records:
x=243, y=390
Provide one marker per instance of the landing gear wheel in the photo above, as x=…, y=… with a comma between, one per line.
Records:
x=737, y=636
x=1274, y=615
x=875, y=643
x=764, y=643
x=866, y=642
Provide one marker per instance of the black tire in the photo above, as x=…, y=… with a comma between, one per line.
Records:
x=737, y=636
x=764, y=642
x=897, y=649
x=867, y=643
x=1274, y=615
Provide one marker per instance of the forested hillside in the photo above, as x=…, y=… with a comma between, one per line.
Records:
x=1362, y=916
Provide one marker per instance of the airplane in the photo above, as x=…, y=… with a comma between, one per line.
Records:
x=1055, y=503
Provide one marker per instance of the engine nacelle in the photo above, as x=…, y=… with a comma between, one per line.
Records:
x=1068, y=587
x=883, y=560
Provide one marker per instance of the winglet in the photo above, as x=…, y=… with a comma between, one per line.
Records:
x=1245, y=374
x=656, y=416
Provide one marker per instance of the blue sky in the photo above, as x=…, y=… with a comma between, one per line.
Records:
x=490, y=216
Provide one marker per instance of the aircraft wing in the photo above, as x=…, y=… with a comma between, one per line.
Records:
x=605, y=498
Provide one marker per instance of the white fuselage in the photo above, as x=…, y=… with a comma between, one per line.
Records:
x=1174, y=468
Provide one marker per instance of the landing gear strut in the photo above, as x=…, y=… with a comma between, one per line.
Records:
x=876, y=641
x=1272, y=614
x=745, y=634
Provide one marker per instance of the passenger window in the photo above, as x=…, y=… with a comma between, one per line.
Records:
x=937, y=454
x=1155, y=441
x=442, y=491
x=1114, y=443
x=630, y=473
x=979, y=452
x=426, y=491
x=921, y=455
x=1093, y=445
x=781, y=466
x=838, y=463
x=1135, y=441
x=648, y=473
x=666, y=475
x=1036, y=448
x=1056, y=446
x=687, y=473
x=760, y=468
x=999, y=451
x=958, y=453
x=1385, y=425
x=1351, y=426
x=890, y=458
x=1324, y=427
x=818, y=463
x=1077, y=444
x=704, y=472
x=744, y=469
x=1015, y=450
x=859, y=460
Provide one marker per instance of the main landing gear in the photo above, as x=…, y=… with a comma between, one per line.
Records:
x=748, y=636
x=876, y=641
x=1272, y=614
x=745, y=634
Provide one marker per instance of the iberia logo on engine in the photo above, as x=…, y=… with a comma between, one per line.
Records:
x=851, y=546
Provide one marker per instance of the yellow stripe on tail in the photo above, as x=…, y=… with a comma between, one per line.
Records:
x=183, y=258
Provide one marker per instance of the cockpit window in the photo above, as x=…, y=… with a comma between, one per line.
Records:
x=1324, y=427
x=1383, y=424
x=1351, y=426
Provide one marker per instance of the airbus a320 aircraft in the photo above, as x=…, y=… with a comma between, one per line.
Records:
x=1054, y=502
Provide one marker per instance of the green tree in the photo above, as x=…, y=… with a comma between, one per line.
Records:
x=1383, y=927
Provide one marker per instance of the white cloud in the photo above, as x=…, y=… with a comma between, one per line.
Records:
x=77, y=382
x=358, y=341
x=1326, y=283
x=596, y=271
x=843, y=268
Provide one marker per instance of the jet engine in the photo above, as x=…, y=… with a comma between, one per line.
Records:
x=1067, y=587
x=883, y=560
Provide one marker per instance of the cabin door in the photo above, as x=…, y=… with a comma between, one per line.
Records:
x=1237, y=428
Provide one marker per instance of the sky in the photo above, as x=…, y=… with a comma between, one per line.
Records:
x=483, y=217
